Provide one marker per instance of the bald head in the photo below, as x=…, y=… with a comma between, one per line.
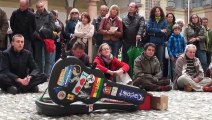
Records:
x=103, y=10
x=24, y=4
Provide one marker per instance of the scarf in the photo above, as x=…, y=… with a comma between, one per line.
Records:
x=157, y=19
x=107, y=60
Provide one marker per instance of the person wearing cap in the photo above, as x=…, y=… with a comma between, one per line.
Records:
x=73, y=19
x=19, y=71
x=175, y=46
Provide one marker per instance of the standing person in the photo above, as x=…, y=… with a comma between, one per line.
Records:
x=170, y=18
x=147, y=71
x=22, y=22
x=156, y=28
x=112, y=29
x=175, y=46
x=208, y=39
x=21, y=73
x=133, y=29
x=109, y=64
x=189, y=74
x=195, y=34
x=44, y=22
x=84, y=31
x=78, y=51
x=3, y=30
x=73, y=19
x=97, y=37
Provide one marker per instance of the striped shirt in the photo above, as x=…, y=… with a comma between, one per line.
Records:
x=190, y=67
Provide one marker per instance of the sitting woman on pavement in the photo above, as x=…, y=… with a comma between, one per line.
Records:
x=147, y=71
x=109, y=64
x=189, y=74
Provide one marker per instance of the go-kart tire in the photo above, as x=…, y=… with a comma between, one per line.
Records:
x=47, y=107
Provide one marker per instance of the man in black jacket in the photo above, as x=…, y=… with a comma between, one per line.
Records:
x=20, y=72
x=22, y=22
x=133, y=29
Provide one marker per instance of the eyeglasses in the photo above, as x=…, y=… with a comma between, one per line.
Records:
x=73, y=13
x=105, y=49
x=194, y=17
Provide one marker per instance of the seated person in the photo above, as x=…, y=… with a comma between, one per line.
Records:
x=189, y=73
x=20, y=72
x=78, y=50
x=109, y=64
x=147, y=71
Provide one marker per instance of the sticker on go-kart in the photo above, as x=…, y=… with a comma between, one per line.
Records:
x=80, y=83
x=61, y=95
x=65, y=75
x=114, y=91
x=70, y=97
x=96, y=87
x=57, y=89
x=107, y=90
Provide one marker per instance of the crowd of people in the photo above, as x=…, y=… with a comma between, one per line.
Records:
x=37, y=38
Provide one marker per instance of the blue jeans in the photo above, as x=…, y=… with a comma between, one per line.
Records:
x=159, y=52
x=115, y=46
x=201, y=54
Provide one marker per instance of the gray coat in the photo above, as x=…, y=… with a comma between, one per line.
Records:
x=3, y=28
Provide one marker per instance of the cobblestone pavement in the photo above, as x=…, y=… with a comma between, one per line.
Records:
x=182, y=106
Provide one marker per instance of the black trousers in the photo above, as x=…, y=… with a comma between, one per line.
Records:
x=6, y=82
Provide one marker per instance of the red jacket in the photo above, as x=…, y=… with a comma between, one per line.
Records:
x=116, y=64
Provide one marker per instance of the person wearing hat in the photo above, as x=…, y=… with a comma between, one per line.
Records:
x=19, y=71
x=175, y=46
x=73, y=19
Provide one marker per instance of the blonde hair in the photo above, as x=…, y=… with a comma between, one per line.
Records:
x=101, y=46
x=72, y=10
x=114, y=7
x=190, y=46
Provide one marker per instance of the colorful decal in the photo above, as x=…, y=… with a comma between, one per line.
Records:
x=57, y=89
x=114, y=91
x=70, y=97
x=61, y=95
x=89, y=80
x=80, y=83
x=107, y=90
x=130, y=95
x=96, y=87
x=65, y=75
x=76, y=72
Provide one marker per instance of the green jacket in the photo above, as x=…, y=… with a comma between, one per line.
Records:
x=210, y=41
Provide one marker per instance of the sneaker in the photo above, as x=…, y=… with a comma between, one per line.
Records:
x=207, y=89
x=34, y=89
x=165, y=88
x=188, y=88
x=12, y=90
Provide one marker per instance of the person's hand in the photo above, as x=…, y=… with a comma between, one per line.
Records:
x=110, y=72
x=109, y=32
x=23, y=82
x=196, y=80
x=163, y=30
x=138, y=37
x=192, y=40
x=172, y=59
x=118, y=72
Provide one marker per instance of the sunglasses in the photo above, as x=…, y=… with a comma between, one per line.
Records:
x=74, y=13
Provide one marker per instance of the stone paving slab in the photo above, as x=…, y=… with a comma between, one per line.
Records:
x=182, y=106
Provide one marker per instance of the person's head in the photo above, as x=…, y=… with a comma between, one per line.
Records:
x=85, y=18
x=40, y=6
x=104, y=49
x=194, y=19
x=149, y=49
x=132, y=8
x=114, y=11
x=103, y=10
x=18, y=42
x=24, y=4
x=74, y=14
x=180, y=22
x=205, y=22
x=176, y=29
x=170, y=18
x=55, y=13
x=156, y=12
x=190, y=51
x=78, y=49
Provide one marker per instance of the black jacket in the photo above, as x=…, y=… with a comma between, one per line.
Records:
x=132, y=26
x=19, y=65
x=23, y=22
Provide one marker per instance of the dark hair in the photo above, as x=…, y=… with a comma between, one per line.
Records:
x=149, y=44
x=152, y=13
x=174, y=19
x=79, y=44
x=136, y=6
x=204, y=18
x=190, y=19
x=85, y=14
